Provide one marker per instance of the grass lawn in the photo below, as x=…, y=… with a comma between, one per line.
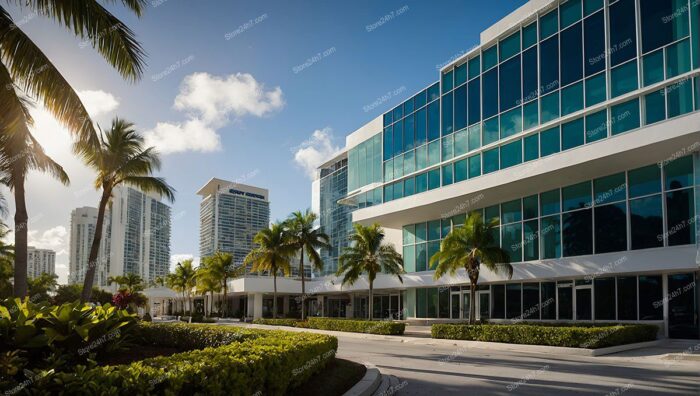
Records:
x=337, y=378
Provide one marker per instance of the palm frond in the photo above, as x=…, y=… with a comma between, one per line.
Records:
x=150, y=184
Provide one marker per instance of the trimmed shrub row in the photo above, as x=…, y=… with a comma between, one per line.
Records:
x=349, y=325
x=233, y=361
x=590, y=337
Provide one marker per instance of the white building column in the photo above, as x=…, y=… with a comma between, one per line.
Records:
x=257, y=306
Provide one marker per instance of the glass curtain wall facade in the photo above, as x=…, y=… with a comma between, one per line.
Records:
x=335, y=219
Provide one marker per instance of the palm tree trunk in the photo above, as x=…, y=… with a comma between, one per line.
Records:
x=21, y=218
x=95, y=248
x=371, y=299
x=274, y=296
x=303, y=286
x=472, y=292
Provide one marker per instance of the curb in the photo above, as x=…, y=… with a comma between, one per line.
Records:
x=367, y=385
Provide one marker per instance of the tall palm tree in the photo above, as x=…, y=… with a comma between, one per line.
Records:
x=273, y=254
x=184, y=280
x=221, y=267
x=471, y=246
x=207, y=282
x=308, y=241
x=20, y=153
x=119, y=158
x=132, y=283
x=368, y=254
x=176, y=283
x=26, y=70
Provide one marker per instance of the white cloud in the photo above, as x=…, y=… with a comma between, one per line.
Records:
x=52, y=238
x=98, y=102
x=193, y=135
x=210, y=102
x=312, y=153
x=178, y=258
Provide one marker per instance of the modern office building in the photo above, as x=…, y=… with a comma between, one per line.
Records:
x=82, y=232
x=230, y=214
x=135, y=239
x=40, y=261
x=573, y=123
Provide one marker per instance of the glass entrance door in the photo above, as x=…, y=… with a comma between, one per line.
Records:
x=465, y=304
x=455, y=307
x=584, y=303
x=682, y=306
x=484, y=304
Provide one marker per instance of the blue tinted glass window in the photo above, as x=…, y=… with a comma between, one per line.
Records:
x=447, y=81
x=433, y=121
x=460, y=108
x=625, y=116
x=662, y=22
x=509, y=46
x=678, y=58
x=530, y=35
x=572, y=99
x=398, y=112
x=409, y=162
x=433, y=92
x=532, y=147
x=697, y=93
x=680, y=98
x=695, y=27
x=655, y=106
x=511, y=122
x=422, y=183
x=409, y=187
x=679, y=173
x=490, y=93
x=608, y=189
x=591, y=6
x=572, y=134
x=491, y=160
x=421, y=126
x=420, y=99
x=595, y=90
x=388, y=118
x=409, y=133
x=398, y=137
x=531, y=115
x=474, y=137
x=646, y=222
x=474, y=67
x=447, y=146
x=549, y=141
x=510, y=95
x=511, y=154
x=489, y=58
x=434, y=179
x=461, y=171
x=594, y=43
x=549, y=65
x=447, y=114
x=623, y=32
x=511, y=212
x=550, y=237
x=644, y=181
x=388, y=143
x=474, y=166
x=571, y=55
x=549, y=202
x=570, y=12
x=447, y=175
x=597, y=126
x=653, y=67
x=460, y=74
x=549, y=107
x=408, y=107
x=474, y=101
x=490, y=131
x=398, y=190
x=434, y=152
x=577, y=196
x=549, y=24
x=577, y=233
x=530, y=85
x=461, y=144
x=623, y=79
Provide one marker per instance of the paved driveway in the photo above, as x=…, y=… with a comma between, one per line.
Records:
x=444, y=370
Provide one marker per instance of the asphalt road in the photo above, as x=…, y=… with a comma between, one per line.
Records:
x=444, y=370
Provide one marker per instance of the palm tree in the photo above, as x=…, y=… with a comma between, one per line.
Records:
x=184, y=280
x=119, y=158
x=207, y=283
x=20, y=153
x=367, y=254
x=309, y=240
x=130, y=282
x=221, y=267
x=26, y=71
x=273, y=254
x=470, y=246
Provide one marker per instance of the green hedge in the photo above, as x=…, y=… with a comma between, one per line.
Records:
x=590, y=337
x=358, y=326
x=233, y=361
x=278, y=322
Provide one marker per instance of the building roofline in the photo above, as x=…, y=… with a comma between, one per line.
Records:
x=215, y=184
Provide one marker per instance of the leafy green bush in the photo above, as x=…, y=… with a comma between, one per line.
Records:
x=233, y=361
x=358, y=326
x=278, y=322
x=591, y=337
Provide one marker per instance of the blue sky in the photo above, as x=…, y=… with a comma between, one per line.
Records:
x=237, y=90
